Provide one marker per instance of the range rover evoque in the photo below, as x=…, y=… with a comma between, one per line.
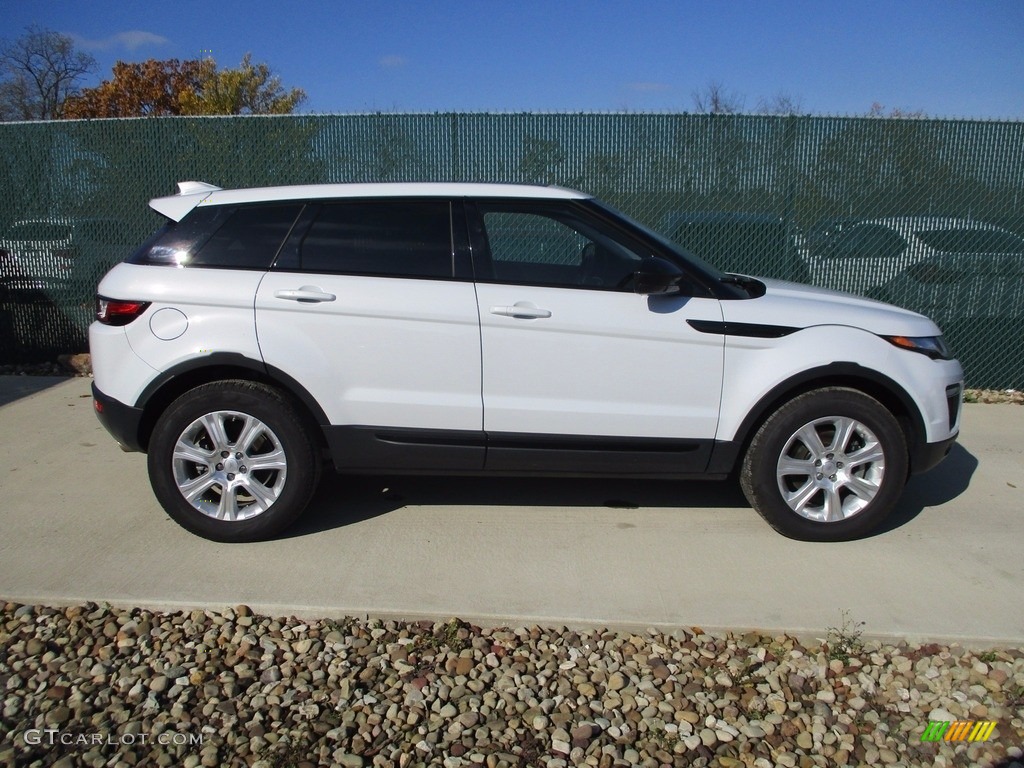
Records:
x=495, y=329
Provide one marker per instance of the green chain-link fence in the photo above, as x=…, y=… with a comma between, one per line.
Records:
x=927, y=214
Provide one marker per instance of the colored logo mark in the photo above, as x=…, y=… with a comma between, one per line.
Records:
x=959, y=730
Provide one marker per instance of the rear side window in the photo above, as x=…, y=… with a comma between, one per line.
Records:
x=385, y=237
x=246, y=237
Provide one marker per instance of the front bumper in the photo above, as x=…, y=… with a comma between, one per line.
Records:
x=120, y=420
x=930, y=454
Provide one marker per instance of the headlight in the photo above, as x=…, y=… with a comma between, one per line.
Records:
x=932, y=346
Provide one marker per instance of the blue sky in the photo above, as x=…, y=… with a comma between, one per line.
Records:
x=947, y=59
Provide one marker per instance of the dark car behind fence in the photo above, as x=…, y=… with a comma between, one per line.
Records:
x=892, y=208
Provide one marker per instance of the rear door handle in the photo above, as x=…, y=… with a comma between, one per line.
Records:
x=308, y=294
x=522, y=309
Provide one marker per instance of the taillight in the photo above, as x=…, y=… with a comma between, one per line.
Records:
x=118, y=312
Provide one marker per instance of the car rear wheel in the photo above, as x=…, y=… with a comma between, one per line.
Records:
x=827, y=466
x=233, y=461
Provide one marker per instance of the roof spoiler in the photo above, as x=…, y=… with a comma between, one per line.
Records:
x=190, y=194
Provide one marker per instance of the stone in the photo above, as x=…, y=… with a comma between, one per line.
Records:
x=158, y=684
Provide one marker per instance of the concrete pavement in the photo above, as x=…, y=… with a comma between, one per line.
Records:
x=79, y=522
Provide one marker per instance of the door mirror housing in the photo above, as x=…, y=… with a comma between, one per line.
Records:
x=658, y=277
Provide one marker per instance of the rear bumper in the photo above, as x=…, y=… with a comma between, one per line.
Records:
x=120, y=420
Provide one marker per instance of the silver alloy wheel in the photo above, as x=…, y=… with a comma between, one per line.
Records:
x=229, y=465
x=831, y=469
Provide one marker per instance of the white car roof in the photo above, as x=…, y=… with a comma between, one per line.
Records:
x=193, y=193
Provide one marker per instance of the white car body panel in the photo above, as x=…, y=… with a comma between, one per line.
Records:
x=756, y=366
x=116, y=369
x=835, y=328
x=217, y=305
x=386, y=352
x=798, y=305
x=604, y=363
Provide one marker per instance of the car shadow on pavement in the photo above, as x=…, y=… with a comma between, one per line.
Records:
x=16, y=387
x=938, y=486
x=345, y=500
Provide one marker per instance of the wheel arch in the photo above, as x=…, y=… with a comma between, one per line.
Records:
x=841, y=374
x=219, y=366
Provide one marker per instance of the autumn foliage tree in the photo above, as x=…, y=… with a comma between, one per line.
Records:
x=141, y=89
x=250, y=89
x=190, y=87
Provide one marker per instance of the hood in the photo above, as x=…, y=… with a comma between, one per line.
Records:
x=803, y=306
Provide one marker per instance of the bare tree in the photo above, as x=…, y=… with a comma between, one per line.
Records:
x=781, y=103
x=39, y=71
x=714, y=99
x=878, y=110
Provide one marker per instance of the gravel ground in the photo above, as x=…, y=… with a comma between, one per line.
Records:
x=95, y=686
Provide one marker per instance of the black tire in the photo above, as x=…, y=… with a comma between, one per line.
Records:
x=246, y=437
x=862, y=466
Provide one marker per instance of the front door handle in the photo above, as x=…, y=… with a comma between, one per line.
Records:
x=522, y=309
x=308, y=294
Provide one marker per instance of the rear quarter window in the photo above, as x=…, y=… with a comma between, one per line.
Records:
x=245, y=237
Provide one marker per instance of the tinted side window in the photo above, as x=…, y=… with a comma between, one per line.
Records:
x=249, y=239
x=245, y=237
x=552, y=246
x=385, y=237
x=175, y=243
x=526, y=238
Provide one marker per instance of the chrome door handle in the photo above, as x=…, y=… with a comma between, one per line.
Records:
x=307, y=294
x=523, y=309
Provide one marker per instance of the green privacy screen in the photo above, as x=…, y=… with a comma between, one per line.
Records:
x=926, y=214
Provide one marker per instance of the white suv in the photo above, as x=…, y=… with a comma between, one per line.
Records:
x=498, y=329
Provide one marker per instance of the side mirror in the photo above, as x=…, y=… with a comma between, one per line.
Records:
x=658, y=276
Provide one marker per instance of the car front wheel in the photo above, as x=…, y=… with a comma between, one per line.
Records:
x=829, y=465
x=233, y=461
